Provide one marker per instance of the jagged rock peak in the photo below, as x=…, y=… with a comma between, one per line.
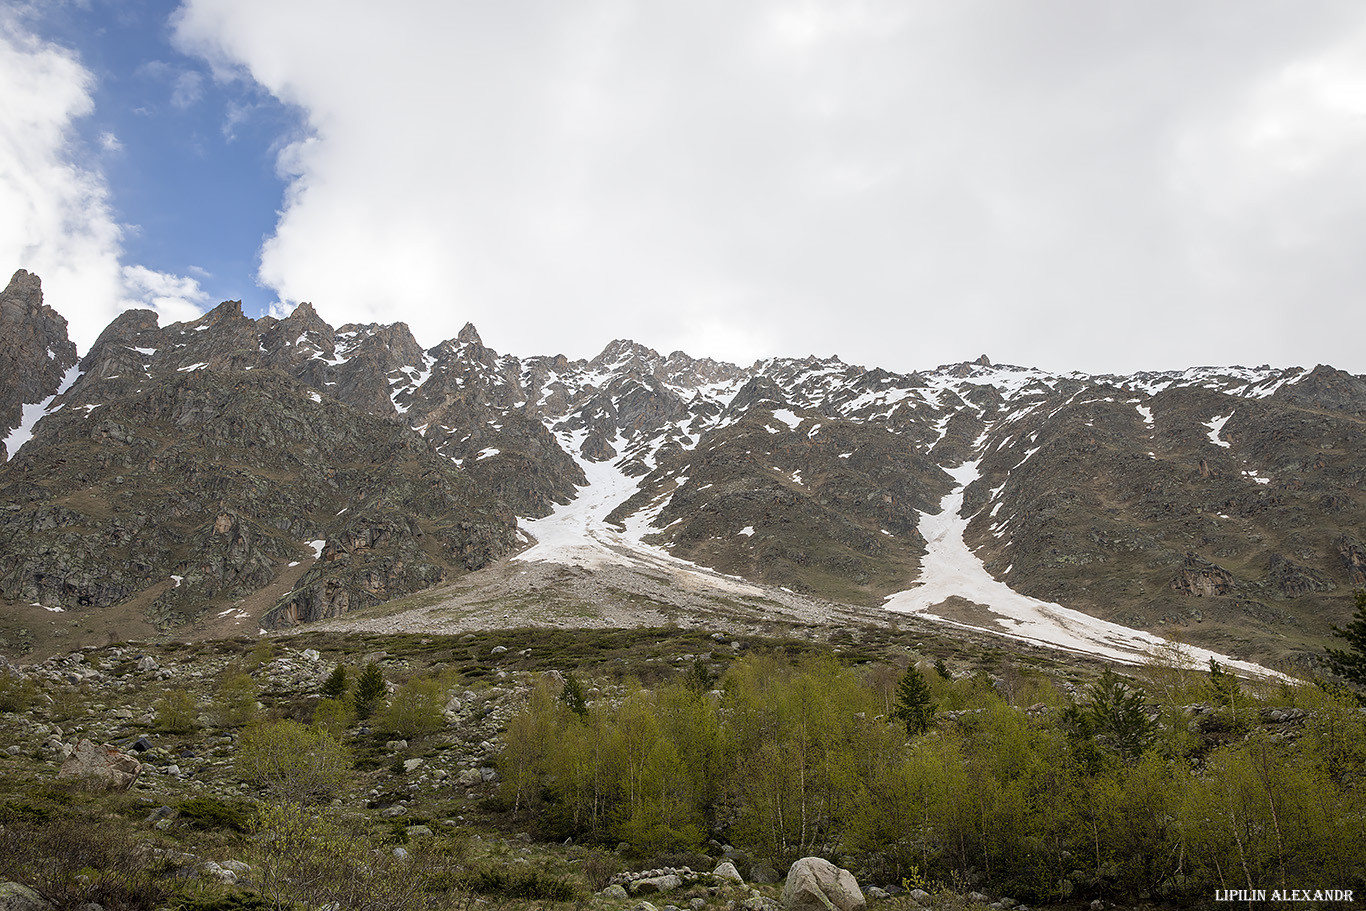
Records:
x=983, y=361
x=27, y=321
x=469, y=335
x=35, y=352
x=621, y=350
x=23, y=284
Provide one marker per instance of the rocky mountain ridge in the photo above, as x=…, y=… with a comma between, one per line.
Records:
x=194, y=469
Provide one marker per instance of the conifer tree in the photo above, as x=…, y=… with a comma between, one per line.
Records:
x=572, y=696
x=370, y=688
x=1350, y=663
x=1119, y=716
x=914, y=704
x=334, y=687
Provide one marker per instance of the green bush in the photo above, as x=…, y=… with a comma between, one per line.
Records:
x=333, y=716
x=212, y=813
x=177, y=712
x=528, y=885
x=294, y=762
x=16, y=693
x=415, y=709
x=235, y=702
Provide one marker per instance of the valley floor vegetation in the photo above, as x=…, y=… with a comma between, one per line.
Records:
x=525, y=768
x=1171, y=788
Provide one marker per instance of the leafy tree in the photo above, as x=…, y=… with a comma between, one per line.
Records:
x=370, y=689
x=333, y=716
x=1350, y=663
x=335, y=685
x=914, y=704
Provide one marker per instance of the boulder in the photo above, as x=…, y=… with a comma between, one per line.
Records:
x=100, y=766
x=815, y=884
x=655, y=884
x=726, y=870
x=18, y=897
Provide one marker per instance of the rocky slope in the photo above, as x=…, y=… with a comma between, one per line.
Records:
x=189, y=467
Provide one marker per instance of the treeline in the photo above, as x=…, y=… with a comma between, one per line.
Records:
x=1117, y=790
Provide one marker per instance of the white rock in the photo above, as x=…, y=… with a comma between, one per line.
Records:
x=726, y=870
x=815, y=884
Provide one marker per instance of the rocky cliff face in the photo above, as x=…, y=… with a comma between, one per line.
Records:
x=292, y=471
x=35, y=353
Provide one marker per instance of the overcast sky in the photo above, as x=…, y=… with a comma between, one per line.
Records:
x=1073, y=185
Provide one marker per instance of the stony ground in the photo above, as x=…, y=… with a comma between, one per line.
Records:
x=439, y=789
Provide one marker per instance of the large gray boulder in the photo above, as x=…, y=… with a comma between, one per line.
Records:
x=100, y=766
x=18, y=897
x=815, y=884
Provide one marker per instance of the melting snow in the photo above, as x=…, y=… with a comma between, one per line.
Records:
x=746, y=531
x=950, y=569
x=578, y=534
x=787, y=417
x=318, y=546
x=1216, y=424
x=20, y=435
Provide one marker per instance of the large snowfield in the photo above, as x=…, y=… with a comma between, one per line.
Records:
x=950, y=569
x=578, y=534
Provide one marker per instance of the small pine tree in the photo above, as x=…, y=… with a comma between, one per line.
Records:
x=914, y=704
x=942, y=669
x=1350, y=663
x=370, y=689
x=699, y=678
x=1119, y=716
x=335, y=685
x=573, y=697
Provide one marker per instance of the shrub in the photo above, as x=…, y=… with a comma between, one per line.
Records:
x=72, y=861
x=294, y=762
x=212, y=813
x=177, y=712
x=528, y=885
x=306, y=858
x=235, y=702
x=16, y=693
x=416, y=708
x=333, y=716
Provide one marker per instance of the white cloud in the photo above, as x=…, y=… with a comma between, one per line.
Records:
x=1072, y=184
x=173, y=297
x=57, y=218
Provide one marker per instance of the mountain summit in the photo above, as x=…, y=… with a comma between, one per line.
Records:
x=230, y=471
